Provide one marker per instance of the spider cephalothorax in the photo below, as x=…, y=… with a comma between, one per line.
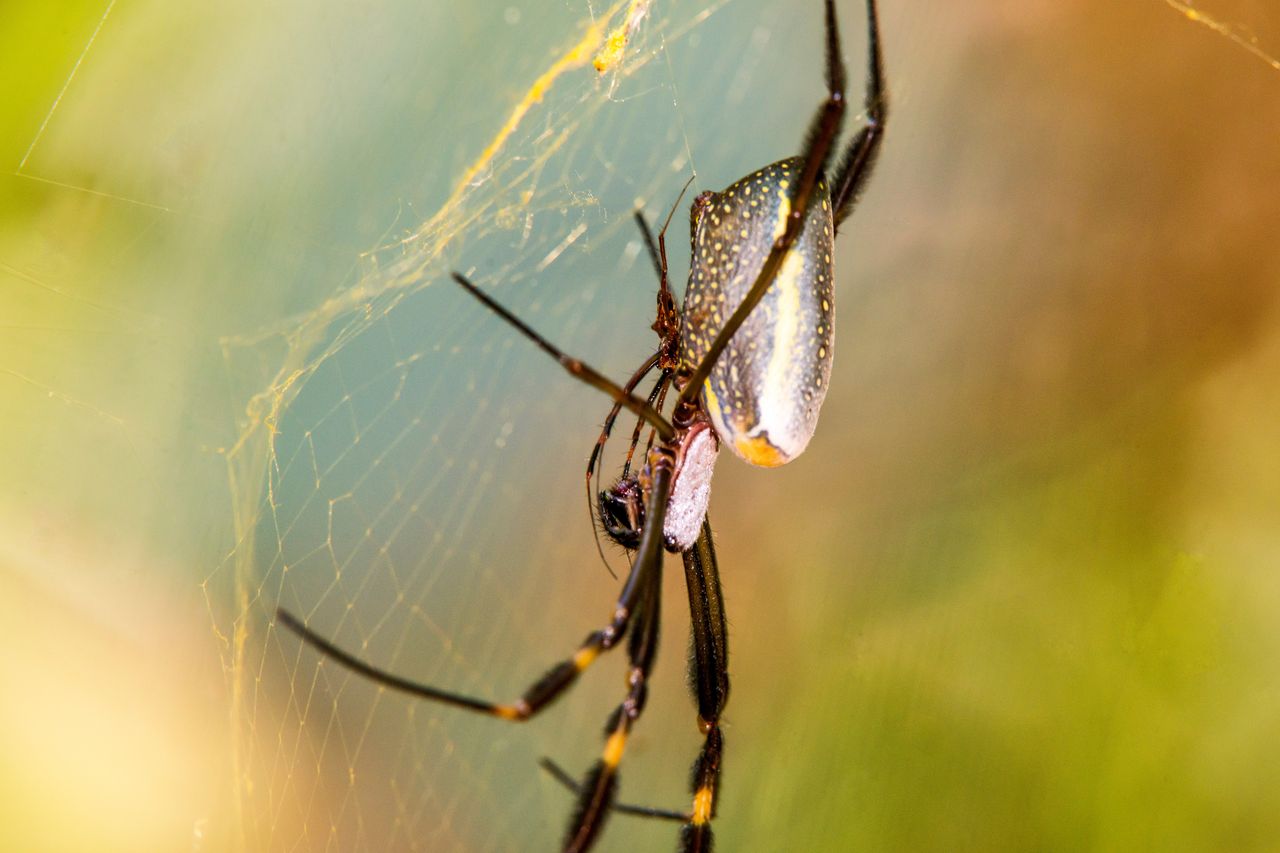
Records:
x=621, y=506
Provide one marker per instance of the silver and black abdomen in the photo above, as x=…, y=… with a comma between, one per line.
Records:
x=764, y=393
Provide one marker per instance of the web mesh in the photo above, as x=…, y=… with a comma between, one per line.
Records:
x=422, y=503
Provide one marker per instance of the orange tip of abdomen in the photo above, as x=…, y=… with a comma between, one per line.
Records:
x=759, y=451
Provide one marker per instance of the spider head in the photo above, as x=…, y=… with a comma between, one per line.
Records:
x=622, y=512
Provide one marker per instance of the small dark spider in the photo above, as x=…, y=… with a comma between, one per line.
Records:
x=753, y=380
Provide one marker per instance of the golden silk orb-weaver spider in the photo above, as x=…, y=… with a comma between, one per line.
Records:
x=749, y=357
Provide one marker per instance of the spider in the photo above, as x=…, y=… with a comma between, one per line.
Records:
x=750, y=379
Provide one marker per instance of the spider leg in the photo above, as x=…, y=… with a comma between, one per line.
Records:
x=576, y=367
x=709, y=676
x=823, y=131
x=647, y=563
x=658, y=251
x=605, y=430
x=596, y=793
x=562, y=776
x=859, y=157
x=659, y=260
x=656, y=398
x=660, y=391
x=666, y=323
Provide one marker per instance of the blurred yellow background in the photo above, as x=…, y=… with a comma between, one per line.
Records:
x=1018, y=595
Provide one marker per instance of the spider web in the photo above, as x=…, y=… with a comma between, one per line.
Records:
x=1019, y=594
x=423, y=503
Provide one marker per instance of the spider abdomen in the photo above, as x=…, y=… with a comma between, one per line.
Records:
x=765, y=391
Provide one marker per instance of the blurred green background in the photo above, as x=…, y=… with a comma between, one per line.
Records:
x=1018, y=595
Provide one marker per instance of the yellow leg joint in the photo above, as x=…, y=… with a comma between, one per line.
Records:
x=613, y=748
x=702, y=805
x=585, y=657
